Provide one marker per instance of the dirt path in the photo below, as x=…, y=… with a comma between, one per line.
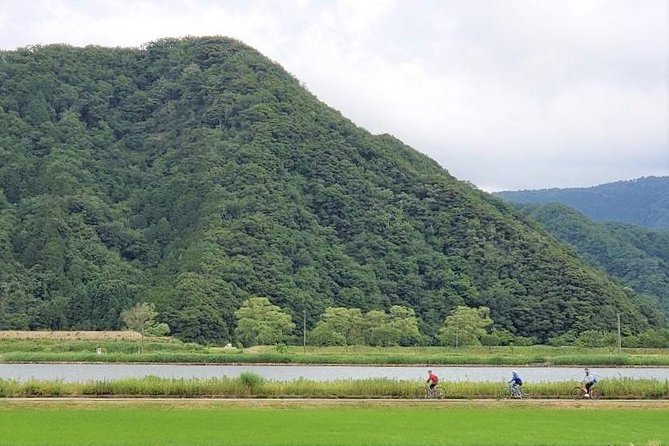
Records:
x=9, y=403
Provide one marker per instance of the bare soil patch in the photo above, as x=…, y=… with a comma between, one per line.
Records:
x=9, y=403
x=72, y=335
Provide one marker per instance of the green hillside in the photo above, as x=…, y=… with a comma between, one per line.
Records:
x=643, y=202
x=638, y=257
x=196, y=173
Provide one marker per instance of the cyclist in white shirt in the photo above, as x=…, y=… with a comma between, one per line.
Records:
x=590, y=381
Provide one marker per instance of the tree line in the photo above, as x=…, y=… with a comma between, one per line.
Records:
x=261, y=322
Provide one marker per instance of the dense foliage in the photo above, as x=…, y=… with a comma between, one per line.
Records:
x=638, y=257
x=465, y=326
x=260, y=322
x=643, y=202
x=194, y=174
x=349, y=326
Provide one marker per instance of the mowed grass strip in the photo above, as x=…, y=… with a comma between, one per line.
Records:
x=314, y=425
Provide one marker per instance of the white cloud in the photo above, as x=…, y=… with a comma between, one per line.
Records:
x=505, y=94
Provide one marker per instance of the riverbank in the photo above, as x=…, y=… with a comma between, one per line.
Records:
x=447, y=359
x=170, y=351
x=250, y=385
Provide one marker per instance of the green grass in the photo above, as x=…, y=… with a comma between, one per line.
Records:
x=250, y=385
x=321, y=426
x=171, y=351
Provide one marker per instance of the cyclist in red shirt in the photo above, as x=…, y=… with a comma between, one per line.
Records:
x=432, y=380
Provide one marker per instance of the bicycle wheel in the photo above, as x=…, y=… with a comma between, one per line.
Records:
x=595, y=394
x=577, y=393
x=514, y=393
x=426, y=392
x=439, y=393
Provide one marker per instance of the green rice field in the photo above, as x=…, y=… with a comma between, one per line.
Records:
x=330, y=423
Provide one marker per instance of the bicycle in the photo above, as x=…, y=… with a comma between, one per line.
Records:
x=580, y=391
x=436, y=393
x=515, y=392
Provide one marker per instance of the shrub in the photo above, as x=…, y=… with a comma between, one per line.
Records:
x=594, y=338
x=251, y=380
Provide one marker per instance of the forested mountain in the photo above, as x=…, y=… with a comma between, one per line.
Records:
x=196, y=173
x=643, y=202
x=639, y=257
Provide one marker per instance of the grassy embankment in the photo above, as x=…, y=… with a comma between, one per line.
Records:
x=351, y=425
x=250, y=385
x=165, y=350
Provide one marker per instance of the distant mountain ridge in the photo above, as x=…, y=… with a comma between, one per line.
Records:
x=638, y=257
x=643, y=201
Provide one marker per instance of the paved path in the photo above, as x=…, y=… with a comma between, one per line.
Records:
x=320, y=402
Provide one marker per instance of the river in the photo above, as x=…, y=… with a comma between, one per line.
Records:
x=108, y=372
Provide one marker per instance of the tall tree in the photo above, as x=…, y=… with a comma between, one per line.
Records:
x=339, y=326
x=140, y=318
x=465, y=326
x=260, y=322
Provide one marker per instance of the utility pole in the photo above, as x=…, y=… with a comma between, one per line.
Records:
x=457, y=332
x=304, y=331
x=620, y=341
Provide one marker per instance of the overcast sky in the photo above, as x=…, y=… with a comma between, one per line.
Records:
x=515, y=94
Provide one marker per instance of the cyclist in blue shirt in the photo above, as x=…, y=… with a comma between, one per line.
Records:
x=515, y=384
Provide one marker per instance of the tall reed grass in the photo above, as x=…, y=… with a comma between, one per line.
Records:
x=250, y=385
